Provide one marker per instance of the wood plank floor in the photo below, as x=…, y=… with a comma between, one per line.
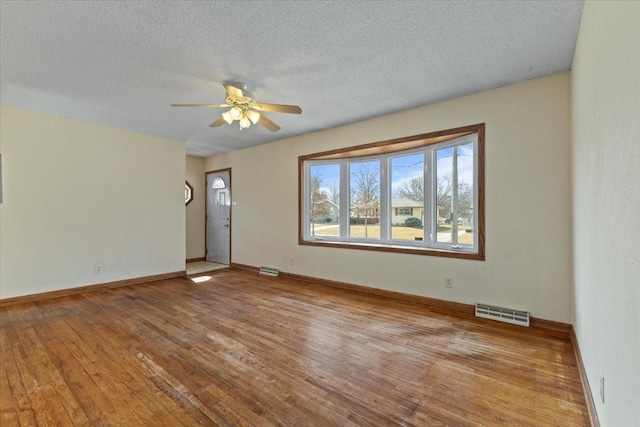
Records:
x=243, y=349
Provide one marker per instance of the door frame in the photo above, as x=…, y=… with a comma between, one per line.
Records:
x=206, y=210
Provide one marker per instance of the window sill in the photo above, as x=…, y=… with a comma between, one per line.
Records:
x=477, y=256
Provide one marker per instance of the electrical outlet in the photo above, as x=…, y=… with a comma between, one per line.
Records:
x=601, y=387
x=291, y=260
x=448, y=282
x=98, y=268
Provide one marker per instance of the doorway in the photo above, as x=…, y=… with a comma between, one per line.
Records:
x=218, y=217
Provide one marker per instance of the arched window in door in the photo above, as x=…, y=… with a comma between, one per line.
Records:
x=218, y=183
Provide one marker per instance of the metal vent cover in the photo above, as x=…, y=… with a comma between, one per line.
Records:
x=502, y=314
x=269, y=271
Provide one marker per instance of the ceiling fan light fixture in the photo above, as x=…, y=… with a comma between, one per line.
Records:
x=254, y=116
x=244, y=122
x=227, y=117
x=236, y=113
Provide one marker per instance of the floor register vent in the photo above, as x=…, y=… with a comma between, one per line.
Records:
x=507, y=315
x=269, y=271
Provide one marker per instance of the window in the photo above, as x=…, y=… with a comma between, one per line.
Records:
x=188, y=193
x=218, y=183
x=421, y=194
x=324, y=200
x=364, y=199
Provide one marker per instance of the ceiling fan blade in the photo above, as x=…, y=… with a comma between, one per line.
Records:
x=234, y=92
x=277, y=108
x=268, y=124
x=201, y=105
x=217, y=123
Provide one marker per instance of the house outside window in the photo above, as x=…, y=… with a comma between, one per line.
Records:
x=414, y=194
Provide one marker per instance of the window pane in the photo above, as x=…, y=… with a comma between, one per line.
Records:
x=454, y=195
x=324, y=200
x=364, y=192
x=407, y=203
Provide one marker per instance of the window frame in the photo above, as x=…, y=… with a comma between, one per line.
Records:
x=385, y=151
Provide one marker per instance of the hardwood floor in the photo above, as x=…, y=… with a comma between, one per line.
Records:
x=243, y=349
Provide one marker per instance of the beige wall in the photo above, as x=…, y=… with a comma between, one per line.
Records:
x=606, y=212
x=195, y=210
x=528, y=228
x=77, y=194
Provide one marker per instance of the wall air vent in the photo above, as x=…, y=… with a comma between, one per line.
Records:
x=269, y=271
x=507, y=315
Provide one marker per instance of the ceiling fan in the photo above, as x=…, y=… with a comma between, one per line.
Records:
x=245, y=109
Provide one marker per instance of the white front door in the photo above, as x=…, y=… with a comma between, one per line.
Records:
x=218, y=217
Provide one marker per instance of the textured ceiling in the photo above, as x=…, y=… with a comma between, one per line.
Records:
x=121, y=63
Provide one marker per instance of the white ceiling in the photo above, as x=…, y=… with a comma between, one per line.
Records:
x=121, y=64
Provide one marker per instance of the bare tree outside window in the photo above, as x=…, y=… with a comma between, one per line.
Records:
x=334, y=193
x=444, y=196
x=318, y=205
x=454, y=193
x=412, y=188
x=443, y=193
x=365, y=194
x=465, y=201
